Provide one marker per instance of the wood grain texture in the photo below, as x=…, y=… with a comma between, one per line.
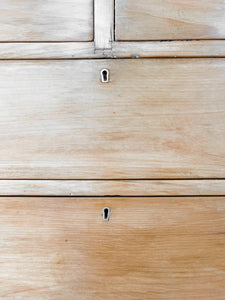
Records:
x=152, y=248
x=201, y=48
x=155, y=119
x=112, y=187
x=73, y=50
x=104, y=24
x=170, y=20
x=54, y=50
x=46, y=20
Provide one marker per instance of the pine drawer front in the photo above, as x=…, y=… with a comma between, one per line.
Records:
x=46, y=20
x=151, y=248
x=160, y=118
x=170, y=20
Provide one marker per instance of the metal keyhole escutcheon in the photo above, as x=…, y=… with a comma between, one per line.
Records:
x=104, y=75
x=106, y=213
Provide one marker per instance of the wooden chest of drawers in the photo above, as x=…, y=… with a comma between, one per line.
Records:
x=112, y=157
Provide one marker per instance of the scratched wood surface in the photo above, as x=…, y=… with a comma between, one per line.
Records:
x=152, y=248
x=155, y=119
x=46, y=20
x=168, y=20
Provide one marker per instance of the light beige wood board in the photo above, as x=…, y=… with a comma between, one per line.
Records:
x=152, y=248
x=73, y=50
x=112, y=187
x=155, y=119
x=170, y=20
x=53, y=50
x=104, y=24
x=46, y=20
x=200, y=48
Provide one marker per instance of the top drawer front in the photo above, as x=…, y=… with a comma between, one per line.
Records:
x=170, y=20
x=46, y=20
x=157, y=118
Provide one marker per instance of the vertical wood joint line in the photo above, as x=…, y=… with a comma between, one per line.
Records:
x=103, y=25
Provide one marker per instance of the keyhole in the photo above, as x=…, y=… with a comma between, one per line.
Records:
x=106, y=213
x=105, y=75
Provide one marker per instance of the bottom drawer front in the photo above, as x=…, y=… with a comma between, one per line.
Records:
x=151, y=248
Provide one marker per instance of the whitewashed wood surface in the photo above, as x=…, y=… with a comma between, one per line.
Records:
x=169, y=20
x=46, y=20
x=156, y=118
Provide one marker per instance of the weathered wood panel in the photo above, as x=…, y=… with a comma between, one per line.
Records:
x=72, y=50
x=155, y=119
x=152, y=248
x=169, y=20
x=104, y=24
x=112, y=187
x=46, y=20
x=200, y=48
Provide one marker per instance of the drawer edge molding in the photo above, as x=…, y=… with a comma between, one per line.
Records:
x=180, y=187
x=88, y=50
